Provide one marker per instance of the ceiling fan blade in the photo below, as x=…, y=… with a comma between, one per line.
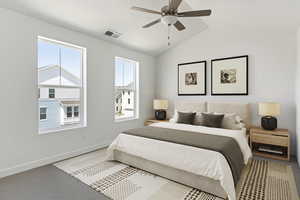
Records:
x=196, y=13
x=179, y=26
x=152, y=23
x=145, y=10
x=174, y=4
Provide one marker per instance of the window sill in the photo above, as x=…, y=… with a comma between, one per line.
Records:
x=72, y=127
x=126, y=119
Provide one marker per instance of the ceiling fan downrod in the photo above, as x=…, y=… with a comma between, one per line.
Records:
x=169, y=37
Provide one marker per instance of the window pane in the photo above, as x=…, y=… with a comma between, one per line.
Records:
x=69, y=112
x=119, y=72
x=69, y=109
x=76, y=111
x=69, y=115
x=43, y=113
x=43, y=110
x=48, y=63
x=125, y=87
x=70, y=66
x=51, y=93
x=43, y=116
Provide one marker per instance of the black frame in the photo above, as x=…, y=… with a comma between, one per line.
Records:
x=205, y=78
x=247, y=77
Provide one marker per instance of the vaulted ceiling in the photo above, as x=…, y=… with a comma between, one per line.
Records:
x=94, y=17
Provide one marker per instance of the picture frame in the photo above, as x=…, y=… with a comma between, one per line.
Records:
x=229, y=76
x=192, y=78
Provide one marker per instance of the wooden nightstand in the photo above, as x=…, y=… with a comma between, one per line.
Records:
x=151, y=121
x=271, y=144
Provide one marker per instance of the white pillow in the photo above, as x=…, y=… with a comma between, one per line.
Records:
x=232, y=121
x=174, y=119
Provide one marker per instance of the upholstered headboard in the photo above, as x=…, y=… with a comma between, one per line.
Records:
x=190, y=106
x=241, y=109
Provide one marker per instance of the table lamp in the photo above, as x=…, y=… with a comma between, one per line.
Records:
x=268, y=111
x=160, y=106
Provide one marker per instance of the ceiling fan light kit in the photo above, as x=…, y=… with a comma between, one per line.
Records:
x=169, y=20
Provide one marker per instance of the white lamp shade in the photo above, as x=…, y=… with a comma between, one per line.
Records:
x=159, y=104
x=269, y=109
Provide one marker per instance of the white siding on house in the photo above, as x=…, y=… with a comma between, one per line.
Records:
x=61, y=93
x=53, y=114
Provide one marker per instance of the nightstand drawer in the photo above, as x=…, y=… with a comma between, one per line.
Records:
x=270, y=139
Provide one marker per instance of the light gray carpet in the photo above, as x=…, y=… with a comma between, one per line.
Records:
x=46, y=183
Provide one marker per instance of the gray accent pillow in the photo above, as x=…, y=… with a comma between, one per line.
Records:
x=185, y=118
x=212, y=120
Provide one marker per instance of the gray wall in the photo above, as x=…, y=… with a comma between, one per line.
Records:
x=20, y=146
x=272, y=68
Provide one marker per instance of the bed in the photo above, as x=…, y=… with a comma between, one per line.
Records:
x=202, y=168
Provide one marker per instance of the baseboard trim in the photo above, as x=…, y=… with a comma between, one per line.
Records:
x=49, y=160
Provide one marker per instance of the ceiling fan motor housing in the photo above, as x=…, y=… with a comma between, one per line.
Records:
x=169, y=20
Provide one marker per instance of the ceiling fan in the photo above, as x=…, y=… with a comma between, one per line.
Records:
x=169, y=14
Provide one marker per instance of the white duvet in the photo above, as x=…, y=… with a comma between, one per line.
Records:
x=195, y=160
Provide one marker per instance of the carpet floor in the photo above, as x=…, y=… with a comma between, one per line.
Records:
x=46, y=183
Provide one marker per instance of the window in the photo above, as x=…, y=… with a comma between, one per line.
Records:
x=61, y=84
x=69, y=111
x=76, y=111
x=43, y=113
x=51, y=93
x=126, y=88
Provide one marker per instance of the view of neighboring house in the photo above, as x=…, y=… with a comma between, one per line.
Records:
x=124, y=97
x=59, y=106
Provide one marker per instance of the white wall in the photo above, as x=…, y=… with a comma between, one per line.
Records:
x=20, y=146
x=272, y=68
x=298, y=97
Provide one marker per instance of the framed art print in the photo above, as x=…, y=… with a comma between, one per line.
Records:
x=192, y=78
x=229, y=76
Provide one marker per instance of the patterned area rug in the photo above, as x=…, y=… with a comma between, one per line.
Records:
x=267, y=180
x=261, y=180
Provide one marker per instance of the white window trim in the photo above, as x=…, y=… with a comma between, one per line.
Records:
x=136, y=93
x=83, y=91
x=41, y=120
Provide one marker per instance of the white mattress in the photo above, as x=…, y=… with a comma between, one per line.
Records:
x=191, y=159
